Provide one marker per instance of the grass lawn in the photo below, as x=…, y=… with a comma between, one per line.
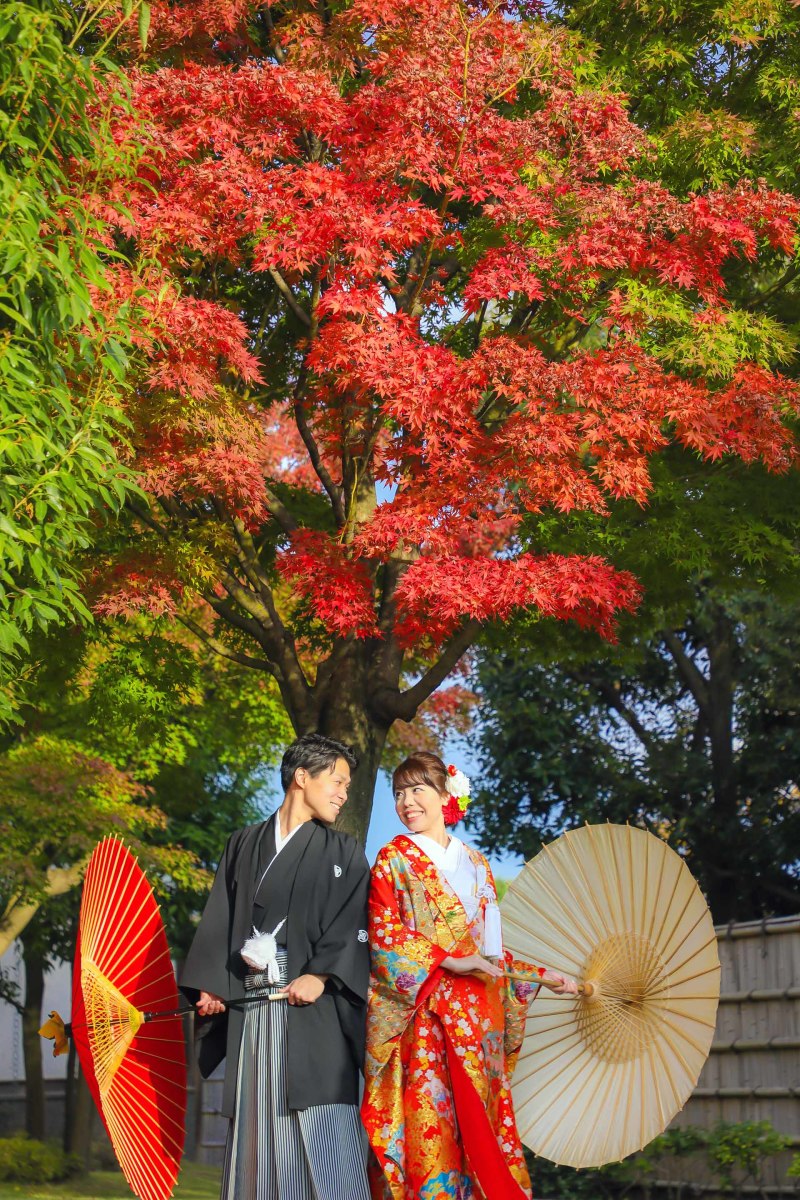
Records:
x=195, y=1183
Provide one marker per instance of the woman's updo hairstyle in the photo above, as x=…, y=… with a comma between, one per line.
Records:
x=423, y=767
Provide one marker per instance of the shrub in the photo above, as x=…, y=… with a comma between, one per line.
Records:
x=23, y=1160
x=737, y=1151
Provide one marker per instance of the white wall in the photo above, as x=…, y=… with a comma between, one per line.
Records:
x=57, y=995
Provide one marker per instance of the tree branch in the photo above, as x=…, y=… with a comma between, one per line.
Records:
x=280, y=512
x=274, y=42
x=223, y=651
x=19, y=912
x=263, y=623
x=392, y=703
x=613, y=699
x=147, y=518
x=694, y=679
x=290, y=297
x=323, y=474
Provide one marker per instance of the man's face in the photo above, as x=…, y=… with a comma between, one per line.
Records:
x=325, y=794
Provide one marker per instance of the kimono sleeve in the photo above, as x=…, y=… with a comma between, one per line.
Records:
x=404, y=962
x=342, y=952
x=206, y=966
x=516, y=996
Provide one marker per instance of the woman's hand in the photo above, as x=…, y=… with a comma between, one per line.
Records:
x=210, y=1004
x=470, y=964
x=559, y=985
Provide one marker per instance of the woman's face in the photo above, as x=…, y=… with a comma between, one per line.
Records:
x=419, y=807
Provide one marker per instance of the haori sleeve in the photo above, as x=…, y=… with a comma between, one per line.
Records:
x=206, y=966
x=405, y=964
x=342, y=952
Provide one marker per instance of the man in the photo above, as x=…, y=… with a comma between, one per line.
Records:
x=286, y=918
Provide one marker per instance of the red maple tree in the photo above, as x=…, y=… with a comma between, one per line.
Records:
x=396, y=243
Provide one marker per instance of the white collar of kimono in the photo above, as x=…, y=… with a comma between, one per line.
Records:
x=469, y=882
x=280, y=840
x=444, y=857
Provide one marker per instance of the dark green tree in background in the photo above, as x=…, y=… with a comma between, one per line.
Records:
x=690, y=725
x=692, y=732
x=132, y=728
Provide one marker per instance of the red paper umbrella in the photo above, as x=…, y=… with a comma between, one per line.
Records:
x=127, y=1035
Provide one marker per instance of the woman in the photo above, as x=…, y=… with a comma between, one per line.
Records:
x=444, y=1025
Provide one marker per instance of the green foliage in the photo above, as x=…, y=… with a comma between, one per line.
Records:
x=735, y=525
x=23, y=1160
x=133, y=728
x=196, y=1183
x=717, y=89
x=690, y=729
x=734, y=1153
x=62, y=362
x=58, y=800
x=737, y=1152
x=718, y=84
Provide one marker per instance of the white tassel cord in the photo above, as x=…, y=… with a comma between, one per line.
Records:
x=260, y=952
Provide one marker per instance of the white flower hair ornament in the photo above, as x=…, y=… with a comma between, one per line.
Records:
x=457, y=788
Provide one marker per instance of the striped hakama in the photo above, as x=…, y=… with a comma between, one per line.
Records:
x=273, y=1152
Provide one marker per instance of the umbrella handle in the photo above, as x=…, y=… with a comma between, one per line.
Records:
x=59, y=1031
x=185, y=1009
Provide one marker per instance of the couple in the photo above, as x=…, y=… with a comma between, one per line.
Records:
x=287, y=919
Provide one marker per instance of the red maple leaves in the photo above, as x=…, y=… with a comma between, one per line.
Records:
x=425, y=185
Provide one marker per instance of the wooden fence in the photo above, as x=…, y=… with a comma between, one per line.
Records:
x=753, y=1071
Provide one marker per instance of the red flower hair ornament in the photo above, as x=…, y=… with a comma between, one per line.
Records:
x=457, y=788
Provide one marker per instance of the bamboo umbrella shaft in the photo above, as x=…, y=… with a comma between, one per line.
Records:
x=189, y=1008
x=183, y=1011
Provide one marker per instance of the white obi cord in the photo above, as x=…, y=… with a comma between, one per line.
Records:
x=470, y=884
x=260, y=952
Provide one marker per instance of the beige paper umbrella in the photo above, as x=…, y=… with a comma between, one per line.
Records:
x=601, y=1074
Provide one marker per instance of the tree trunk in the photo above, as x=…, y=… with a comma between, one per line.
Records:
x=78, y=1111
x=79, y=1117
x=19, y=913
x=355, y=816
x=35, y=1104
x=348, y=721
x=713, y=691
x=721, y=643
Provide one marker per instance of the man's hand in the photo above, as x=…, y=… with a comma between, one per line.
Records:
x=305, y=989
x=209, y=1004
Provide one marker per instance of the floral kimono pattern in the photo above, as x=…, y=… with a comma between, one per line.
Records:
x=441, y=1047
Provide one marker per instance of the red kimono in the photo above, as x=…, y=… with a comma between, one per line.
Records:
x=440, y=1047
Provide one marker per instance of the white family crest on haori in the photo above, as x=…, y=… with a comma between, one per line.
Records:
x=337, y=870
x=362, y=935
x=260, y=952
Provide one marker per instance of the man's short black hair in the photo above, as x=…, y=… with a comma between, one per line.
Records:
x=315, y=753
